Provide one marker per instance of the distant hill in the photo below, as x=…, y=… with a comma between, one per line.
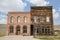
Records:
x=56, y=27
x=3, y=25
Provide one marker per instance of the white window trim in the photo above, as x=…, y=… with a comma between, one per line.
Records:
x=12, y=19
x=18, y=18
x=25, y=19
x=47, y=19
x=34, y=18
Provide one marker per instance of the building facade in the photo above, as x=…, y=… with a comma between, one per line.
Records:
x=39, y=21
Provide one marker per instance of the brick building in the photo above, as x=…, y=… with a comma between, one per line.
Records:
x=39, y=21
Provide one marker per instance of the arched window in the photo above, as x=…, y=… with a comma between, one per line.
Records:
x=12, y=19
x=25, y=19
x=11, y=29
x=24, y=29
x=18, y=19
x=34, y=18
x=47, y=18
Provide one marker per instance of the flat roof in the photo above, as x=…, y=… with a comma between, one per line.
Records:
x=41, y=6
x=18, y=12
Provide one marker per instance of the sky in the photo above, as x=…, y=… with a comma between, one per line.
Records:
x=24, y=5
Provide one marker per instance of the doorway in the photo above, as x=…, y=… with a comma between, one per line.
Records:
x=31, y=30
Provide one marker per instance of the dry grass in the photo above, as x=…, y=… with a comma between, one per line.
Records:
x=2, y=30
x=55, y=37
x=2, y=34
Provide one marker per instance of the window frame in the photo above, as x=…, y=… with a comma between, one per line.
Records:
x=12, y=19
x=35, y=18
x=25, y=19
x=47, y=19
x=18, y=19
x=41, y=18
x=11, y=29
x=24, y=29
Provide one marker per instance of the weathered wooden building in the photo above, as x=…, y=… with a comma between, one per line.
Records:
x=39, y=21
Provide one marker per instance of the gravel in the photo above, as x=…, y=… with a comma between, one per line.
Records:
x=18, y=37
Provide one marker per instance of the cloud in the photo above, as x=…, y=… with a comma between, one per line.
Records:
x=55, y=14
x=12, y=5
x=19, y=5
x=3, y=19
x=59, y=10
x=39, y=2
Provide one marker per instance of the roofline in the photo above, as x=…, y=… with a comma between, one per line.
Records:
x=18, y=12
x=41, y=6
